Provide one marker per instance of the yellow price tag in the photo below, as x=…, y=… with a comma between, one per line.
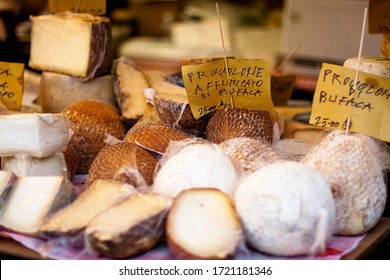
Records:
x=93, y=7
x=335, y=100
x=11, y=85
x=248, y=86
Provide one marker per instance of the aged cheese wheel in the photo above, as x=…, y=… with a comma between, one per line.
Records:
x=130, y=227
x=247, y=154
x=90, y=121
x=231, y=123
x=129, y=86
x=125, y=162
x=201, y=165
x=203, y=224
x=375, y=65
x=71, y=43
x=58, y=91
x=73, y=219
x=156, y=138
x=286, y=209
x=351, y=166
x=174, y=110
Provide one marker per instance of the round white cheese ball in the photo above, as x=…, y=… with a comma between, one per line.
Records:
x=196, y=166
x=286, y=208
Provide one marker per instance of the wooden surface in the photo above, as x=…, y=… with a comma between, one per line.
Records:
x=11, y=249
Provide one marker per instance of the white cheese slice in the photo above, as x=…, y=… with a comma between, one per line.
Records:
x=26, y=165
x=58, y=91
x=39, y=135
x=33, y=200
x=69, y=43
x=7, y=179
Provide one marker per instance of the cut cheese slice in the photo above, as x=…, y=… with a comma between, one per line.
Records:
x=26, y=165
x=39, y=135
x=58, y=91
x=33, y=200
x=129, y=86
x=70, y=43
x=73, y=219
x=7, y=179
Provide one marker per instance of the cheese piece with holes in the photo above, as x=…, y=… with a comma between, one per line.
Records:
x=39, y=135
x=58, y=91
x=33, y=200
x=69, y=43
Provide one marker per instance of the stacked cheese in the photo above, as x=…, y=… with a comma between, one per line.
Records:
x=31, y=148
x=72, y=50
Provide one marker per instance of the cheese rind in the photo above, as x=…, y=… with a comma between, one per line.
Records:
x=70, y=43
x=33, y=200
x=39, y=135
x=7, y=179
x=58, y=91
x=26, y=165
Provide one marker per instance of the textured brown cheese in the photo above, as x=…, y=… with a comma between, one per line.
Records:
x=125, y=162
x=156, y=138
x=90, y=121
x=73, y=44
x=131, y=227
x=58, y=91
x=231, y=123
x=129, y=85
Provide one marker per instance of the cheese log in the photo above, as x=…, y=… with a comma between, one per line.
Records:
x=69, y=43
x=26, y=165
x=33, y=200
x=379, y=66
x=231, y=123
x=73, y=219
x=7, y=179
x=129, y=85
x=174, y=110
x=131, y=227
x=203, y=224
x=248, y=155
x=90, y=121
x=125, y=162
x=39, y=135
x=58, y=91
x=156, y=138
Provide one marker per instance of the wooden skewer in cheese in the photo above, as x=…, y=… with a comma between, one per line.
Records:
x=130, y=227
x=70, y=43
x=38, y=135
x=203, y=224
x=351, y=166
x=90, y=121
x=71, y=220
x=33, y=200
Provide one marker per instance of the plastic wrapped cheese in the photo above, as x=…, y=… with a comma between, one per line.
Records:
x=70, y=43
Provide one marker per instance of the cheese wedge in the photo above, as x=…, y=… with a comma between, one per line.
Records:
x=26, y=165
x=7, y=179
x=70, y=43
x=73, y=219
x=33, y=200
x=129, y=85
x=39, y=135
x=58, y=91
